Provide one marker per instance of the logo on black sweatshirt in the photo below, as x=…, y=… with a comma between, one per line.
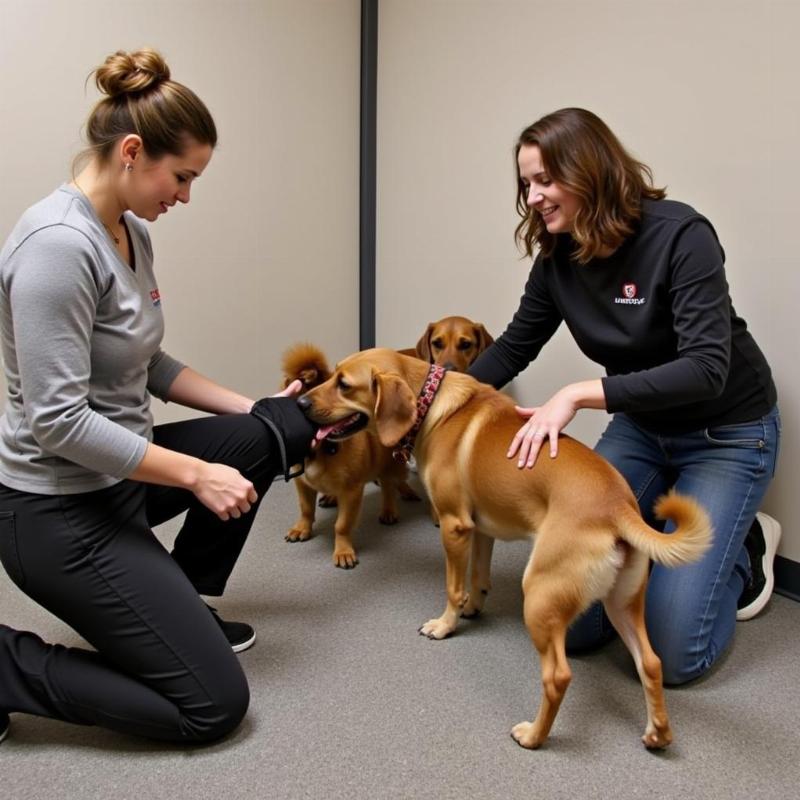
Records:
x=629, y=298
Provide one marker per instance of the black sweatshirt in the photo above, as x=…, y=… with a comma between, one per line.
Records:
x=657, y=315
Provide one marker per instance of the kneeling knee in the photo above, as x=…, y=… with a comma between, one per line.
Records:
x=222, y=715
x=676, y=672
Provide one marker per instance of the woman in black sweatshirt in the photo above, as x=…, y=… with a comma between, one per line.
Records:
x=640, y=282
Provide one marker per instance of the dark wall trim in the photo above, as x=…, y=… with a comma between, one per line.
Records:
x=367, y=180
x=787, y=577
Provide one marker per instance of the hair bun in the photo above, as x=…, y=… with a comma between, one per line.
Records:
x=126, y=73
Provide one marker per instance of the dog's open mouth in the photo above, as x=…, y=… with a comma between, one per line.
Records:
x=343, y=428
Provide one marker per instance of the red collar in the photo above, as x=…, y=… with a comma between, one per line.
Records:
x=402, y=452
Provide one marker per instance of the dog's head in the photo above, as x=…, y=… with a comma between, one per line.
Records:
x=371, y=389
x=307, y=363
x=453, y=343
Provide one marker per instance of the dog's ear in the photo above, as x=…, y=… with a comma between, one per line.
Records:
x=424, y=345
x=395, y=408
x=484, y=337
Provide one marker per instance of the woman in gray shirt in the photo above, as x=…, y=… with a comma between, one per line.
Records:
x=84, y=473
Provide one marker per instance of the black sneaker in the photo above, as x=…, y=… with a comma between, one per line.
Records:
x=762, y=544
x=5, y=723
x=239, y=634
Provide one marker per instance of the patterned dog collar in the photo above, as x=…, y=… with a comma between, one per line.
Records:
x=405, y=447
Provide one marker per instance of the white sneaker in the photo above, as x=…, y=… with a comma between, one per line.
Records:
x=762, y=545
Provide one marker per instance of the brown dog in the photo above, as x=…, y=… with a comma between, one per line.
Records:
x=452, y=342
x=591, y=541
x=340, y=471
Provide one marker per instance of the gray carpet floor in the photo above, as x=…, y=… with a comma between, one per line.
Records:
x=349, y=701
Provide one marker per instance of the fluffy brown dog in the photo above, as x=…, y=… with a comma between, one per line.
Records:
x=452, y=342
x=340, y=471
x=591, y=541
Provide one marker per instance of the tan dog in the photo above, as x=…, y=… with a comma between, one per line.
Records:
x=452, y=342
x=341, y=471
x=591, y=541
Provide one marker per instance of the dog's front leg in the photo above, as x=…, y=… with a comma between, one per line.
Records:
x=344, y=553
x=306, y=496
x=456, y=538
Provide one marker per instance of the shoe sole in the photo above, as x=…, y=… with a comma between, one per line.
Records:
x=245, y=645
x=772, y=536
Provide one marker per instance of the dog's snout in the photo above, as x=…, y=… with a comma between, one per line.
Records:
x=450, y=365
x=304, y=403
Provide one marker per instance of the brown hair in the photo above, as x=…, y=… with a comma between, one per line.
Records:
x=142, y=99
x=580, y=153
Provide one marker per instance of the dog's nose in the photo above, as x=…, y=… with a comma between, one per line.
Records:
x=449, y=365
x=304, y=403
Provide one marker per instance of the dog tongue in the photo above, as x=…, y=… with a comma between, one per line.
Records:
x=324, y=431
x=327, y=430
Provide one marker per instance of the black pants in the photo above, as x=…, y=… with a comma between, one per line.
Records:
x=163, y=668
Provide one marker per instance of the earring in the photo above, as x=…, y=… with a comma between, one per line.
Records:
x=129, y=167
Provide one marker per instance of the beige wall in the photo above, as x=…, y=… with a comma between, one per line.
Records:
x=266, y=254
x=704, y=91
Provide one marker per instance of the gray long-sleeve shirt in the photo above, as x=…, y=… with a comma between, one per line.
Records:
x=81, y=343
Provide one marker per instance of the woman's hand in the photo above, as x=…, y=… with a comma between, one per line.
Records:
x=220, y=488
x=548, y=420
x=294, y=389
x=223, y=490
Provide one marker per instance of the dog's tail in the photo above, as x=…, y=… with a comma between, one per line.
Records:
x=306, y=362
x=690, y=539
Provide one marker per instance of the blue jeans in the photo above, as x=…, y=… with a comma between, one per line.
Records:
x=691, y=610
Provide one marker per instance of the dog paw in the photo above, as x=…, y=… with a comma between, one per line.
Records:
x=657, y=739
x=436, y=629
x=388, y=518
x=345, y=559
x=409, y=495
x=298, y=535
x=328, y=501
x=473, y=607
x=525, y=735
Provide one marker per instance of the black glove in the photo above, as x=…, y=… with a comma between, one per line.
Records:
x=293, y=430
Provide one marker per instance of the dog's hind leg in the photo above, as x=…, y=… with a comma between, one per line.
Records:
x=456, y=538
x=388, y=515
x=626, y=613
x=481, y=583
x=548, y=612
x=407, y=493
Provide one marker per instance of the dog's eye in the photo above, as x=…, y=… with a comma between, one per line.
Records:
x=465, y=344
x=438, y=344
x=342, y=384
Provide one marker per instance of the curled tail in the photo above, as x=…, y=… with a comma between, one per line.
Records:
x=690, y=539
x=306, y=362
